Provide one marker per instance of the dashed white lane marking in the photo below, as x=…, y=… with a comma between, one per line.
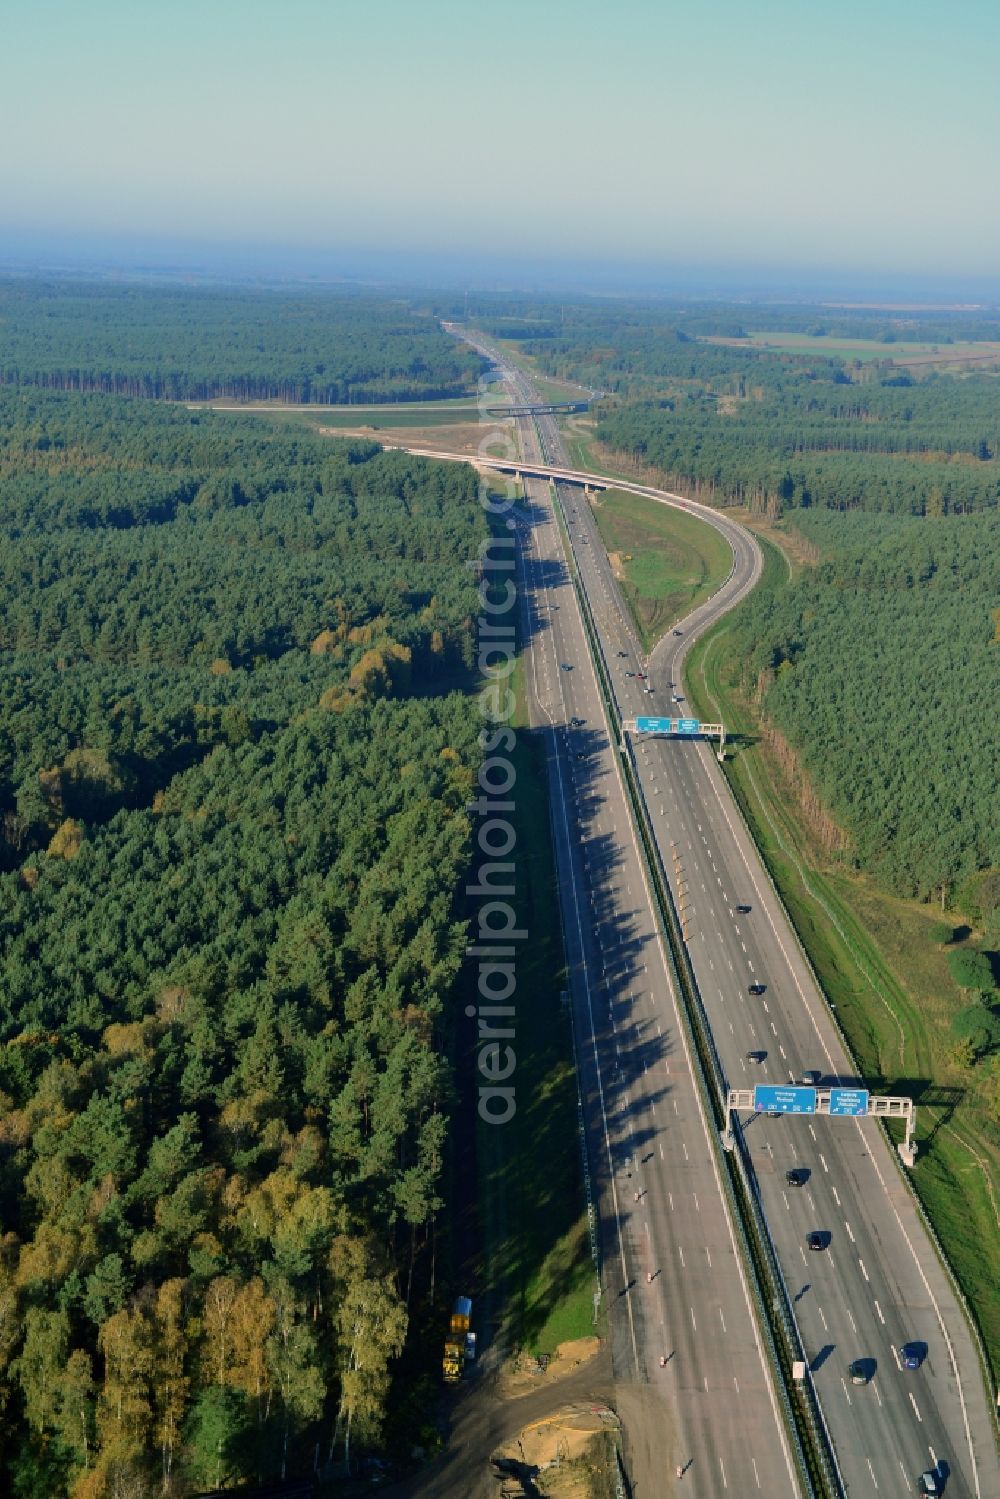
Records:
x=880, y=1316
x=823, y=1160
x=850, y=1235
x=864, y=1272
x=851, y=1315
x=871, y=1471
x=916, y=1408
x=722, y=1319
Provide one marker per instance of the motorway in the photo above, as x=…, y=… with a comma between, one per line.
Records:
x=878, y=1284
x=673, y=1278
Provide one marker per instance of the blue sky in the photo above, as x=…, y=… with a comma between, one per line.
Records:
x=857, y=134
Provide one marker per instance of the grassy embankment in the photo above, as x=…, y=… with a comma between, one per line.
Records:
x=888, y=980
x=666, y=562
x=532, y=1207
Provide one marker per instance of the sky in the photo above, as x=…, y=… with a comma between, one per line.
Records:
x=818, y=135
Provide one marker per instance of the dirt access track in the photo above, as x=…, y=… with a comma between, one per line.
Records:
x=493, y=1410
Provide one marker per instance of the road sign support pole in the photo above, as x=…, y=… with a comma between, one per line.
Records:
x=908, y=1149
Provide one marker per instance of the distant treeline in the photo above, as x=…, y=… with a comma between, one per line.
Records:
x=736, y=424
x=181, y=344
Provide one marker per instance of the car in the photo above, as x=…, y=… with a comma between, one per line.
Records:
x=774, y=1113
x=756, y=1056
x=756, y=988
x=743, y=909
x=810, y=1078
x=670, y=684
x=797, y=1176
x=565, y=666
x=581, y=755
x=577, y=723
x=860, y=1371
x=630, y=673
x=911, y=1355
x=678, y=632
x=623, y=655
x=817, y=1240
x=927, y=1483
x=641, y=675
x=647, y=689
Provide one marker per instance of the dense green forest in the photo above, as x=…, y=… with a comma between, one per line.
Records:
x=193, y=344
x=233, y=773
x=882, y=665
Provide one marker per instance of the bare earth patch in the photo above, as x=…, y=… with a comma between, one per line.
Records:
x=464, y=437
x=560, y=1455
x=524, y=1374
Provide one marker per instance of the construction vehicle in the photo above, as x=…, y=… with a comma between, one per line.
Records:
x=460, y=1344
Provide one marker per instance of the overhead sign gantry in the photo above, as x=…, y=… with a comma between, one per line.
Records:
x=674, y=728
x=834, y=1101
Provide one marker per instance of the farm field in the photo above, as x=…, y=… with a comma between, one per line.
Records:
x=865, y=350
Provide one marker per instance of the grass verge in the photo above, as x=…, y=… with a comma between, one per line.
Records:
x=879, y=967
x=667, y=562
x=532, y=1206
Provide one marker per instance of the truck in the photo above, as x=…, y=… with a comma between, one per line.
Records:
x=460, y=1344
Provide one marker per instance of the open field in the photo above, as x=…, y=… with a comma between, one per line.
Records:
x=899, y=352
x=402, y=416
x=888, y=980
x=666, y=561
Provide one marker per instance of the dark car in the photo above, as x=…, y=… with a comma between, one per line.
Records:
x=581, y=754
x=860, y=1371
x=756, y=988
x=630, y=673
x=817, y=1240
x=927, y=1483
x=797, y=1177
x=565, y=666
x=742, y=909
x=756, y=1056
x=911, y=1355
x=623, y=655
x=641, y=675
x=678, y=632
x=810, y=1077
x=577, y=723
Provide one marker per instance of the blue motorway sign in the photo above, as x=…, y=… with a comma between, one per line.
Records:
x=654, y=725
x=688, y=726
x=848, y=1100
x=784, y=1100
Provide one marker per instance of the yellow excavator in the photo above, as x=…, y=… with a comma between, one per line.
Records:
x=460, y=1344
